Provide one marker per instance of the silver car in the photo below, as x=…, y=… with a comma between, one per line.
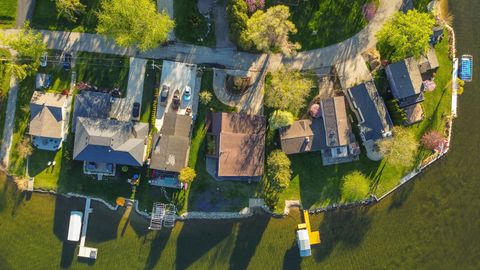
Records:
x=164, y=95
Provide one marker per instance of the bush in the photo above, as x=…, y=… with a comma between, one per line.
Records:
x=280, y=119
x=432, y=140
x=278, y=169
x=399, y=116
x=355, y=187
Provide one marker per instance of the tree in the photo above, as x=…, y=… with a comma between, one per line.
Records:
x=287, y=90
x=405, y=35
x=187, y=175
x=432, y=140
x=280, y=119
x=29, y=46
x=269, y=30
x=401, y=149
x=70, y=9
x=205, y=97
x=237, y=14
x=134, y=23
x=355, y=186
x=25, y=148
x=278, y=169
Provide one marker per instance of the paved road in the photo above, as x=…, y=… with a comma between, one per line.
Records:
x=230, y=58
x=9, y=122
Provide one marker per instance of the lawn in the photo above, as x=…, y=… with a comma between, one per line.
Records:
x=45, y=16
x=190, y=25
x=319, y=186
x=5, y=76
x=8, y=13
x=324, y=22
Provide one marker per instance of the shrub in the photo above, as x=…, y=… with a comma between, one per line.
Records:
x=237, y=13
x=432, y=140
x=278, y=169
x=355, y=186
x=187, y=175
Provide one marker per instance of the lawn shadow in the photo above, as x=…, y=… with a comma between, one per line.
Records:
x=342, y=226
x=248, y=237
x=291, y=259
x=68, y=253
x=197, y=238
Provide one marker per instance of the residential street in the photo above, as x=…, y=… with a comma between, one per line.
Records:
x=228, y=57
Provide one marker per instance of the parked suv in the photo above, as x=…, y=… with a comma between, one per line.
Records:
x=164, y=95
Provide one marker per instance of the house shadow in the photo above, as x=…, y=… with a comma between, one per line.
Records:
x=248, y=237
x=197, y=238
x=347, y=227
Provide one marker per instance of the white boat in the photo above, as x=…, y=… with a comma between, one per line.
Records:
x=75, y=226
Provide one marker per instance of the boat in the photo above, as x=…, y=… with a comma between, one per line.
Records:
x=466, y=68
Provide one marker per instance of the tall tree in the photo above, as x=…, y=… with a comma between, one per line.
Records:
x=29, y=46
x=134, y=23
x=70, y=9
x=405, y=35
x=401, y=149
x=355, y=186
x=287, y=90
x=280, y=119
x=278, y=169
x=269, y=30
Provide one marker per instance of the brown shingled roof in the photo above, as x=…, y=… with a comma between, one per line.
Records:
x=241, y=143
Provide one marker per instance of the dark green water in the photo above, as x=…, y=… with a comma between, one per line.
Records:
x=431, y=223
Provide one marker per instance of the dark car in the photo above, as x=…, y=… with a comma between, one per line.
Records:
x=164, y=95
x=136, y=110
x=67, y=61
x=176, y=100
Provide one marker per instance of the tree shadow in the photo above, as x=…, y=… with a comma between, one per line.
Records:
x=159, y=242
x=401, y=195
x=248, y=238
x=342, y=226
x=197, y=238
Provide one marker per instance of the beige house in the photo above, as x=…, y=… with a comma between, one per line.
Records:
x=48, y=120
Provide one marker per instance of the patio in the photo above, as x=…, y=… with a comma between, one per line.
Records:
x=99, y=168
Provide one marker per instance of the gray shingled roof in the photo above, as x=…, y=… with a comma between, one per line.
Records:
x=92, y=105
x=405, y=77
x=46, y=114
x=371, y=109
x=293, y=138
x=110, y=141
x=170, y=146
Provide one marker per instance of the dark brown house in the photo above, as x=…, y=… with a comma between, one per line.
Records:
x=239, y=145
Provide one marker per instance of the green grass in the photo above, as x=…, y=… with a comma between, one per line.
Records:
x=8, y=13
x=190, y=25
x=102, y=70
x=152, y=79
x=333, y=20
x=5, y=75
x=319, y=186
x=45, y=16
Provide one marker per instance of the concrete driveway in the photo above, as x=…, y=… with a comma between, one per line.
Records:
x=177, y=76
x=122, y=107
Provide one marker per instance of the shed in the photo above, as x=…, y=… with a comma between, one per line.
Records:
x=75, y=226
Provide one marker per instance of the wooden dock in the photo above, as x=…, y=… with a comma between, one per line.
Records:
x=86, y=252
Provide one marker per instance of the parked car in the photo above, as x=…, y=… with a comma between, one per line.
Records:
x=67, y=61
x=176, y=100
x=187, y=93
x=44, y=59
x=164, y=95
x=136, y=110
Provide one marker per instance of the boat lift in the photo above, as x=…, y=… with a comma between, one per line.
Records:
x=305, y=237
